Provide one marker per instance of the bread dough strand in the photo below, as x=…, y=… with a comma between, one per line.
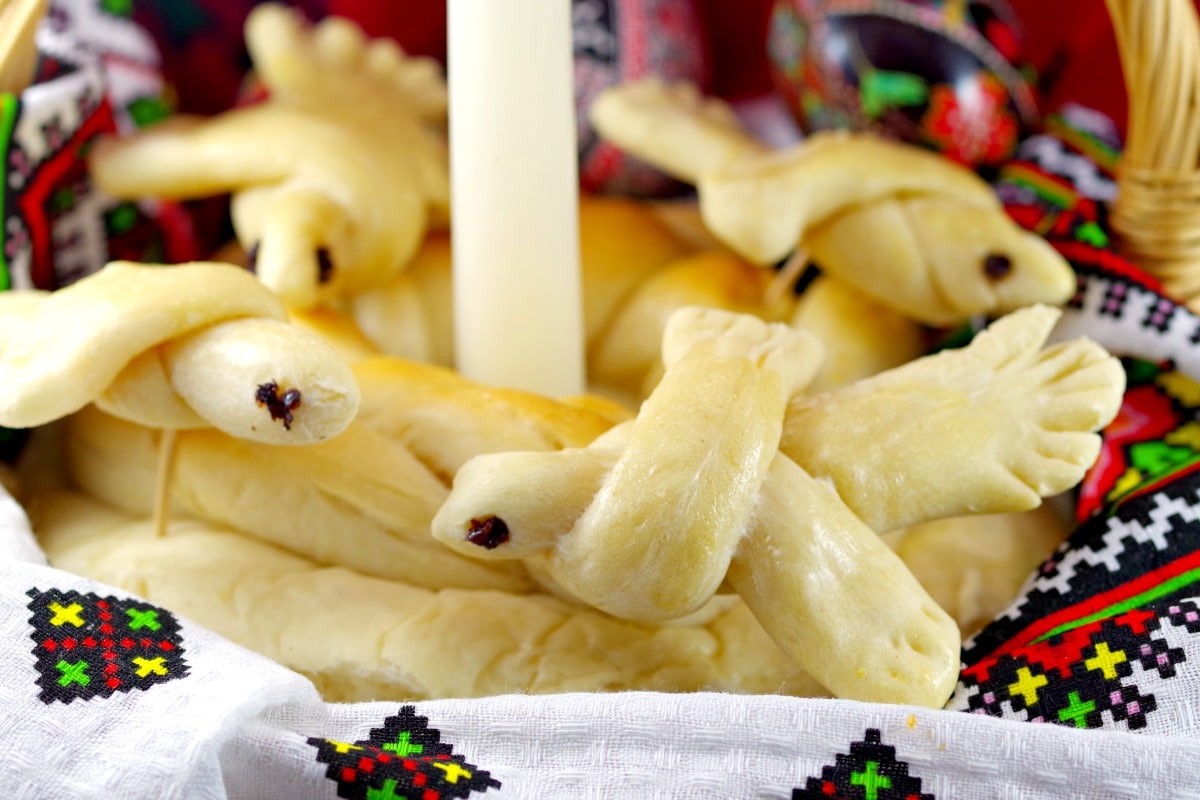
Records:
x=182, y=346
x=838, y=195
x=835, y=598
x=336, y=177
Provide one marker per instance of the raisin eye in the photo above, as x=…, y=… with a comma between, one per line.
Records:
x=279, y=406
x=997, y=266
x=489, y=532
x=324, y=266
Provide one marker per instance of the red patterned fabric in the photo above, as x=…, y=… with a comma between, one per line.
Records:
x=1070, y=42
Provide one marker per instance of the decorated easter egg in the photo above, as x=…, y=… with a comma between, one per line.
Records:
x=946, y=74
x=621, y=40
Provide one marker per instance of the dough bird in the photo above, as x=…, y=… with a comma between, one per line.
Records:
x=187, y=346
x=903, y=225
x=335, y=177
x=729, y=475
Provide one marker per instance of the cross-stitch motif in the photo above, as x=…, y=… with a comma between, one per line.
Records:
x=52, y=222
x=1110, y=620
x=1087, y=676
x=870, y=771
x=403, y=760
x=1105, y=621
x=90, y=646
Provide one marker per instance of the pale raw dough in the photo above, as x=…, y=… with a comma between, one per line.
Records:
x=916, y=231
x=975, y=566
x=363, y=499
x=346, y=158
x=360, y=500
x=989, y=428
x=702, y=487
x=186, y=346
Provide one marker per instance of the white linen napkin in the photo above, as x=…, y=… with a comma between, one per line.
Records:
x=191, y=715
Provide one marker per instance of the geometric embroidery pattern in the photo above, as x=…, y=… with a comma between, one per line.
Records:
x=90, y=646
x=403, y=760
x=97, y=75
x=50, y=191
x=1097, y=637
x=869, y=771
x=1103, y=625
x=1160, y=315
x=1079, y=677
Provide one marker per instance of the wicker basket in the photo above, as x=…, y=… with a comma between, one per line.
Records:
x=1157, y=213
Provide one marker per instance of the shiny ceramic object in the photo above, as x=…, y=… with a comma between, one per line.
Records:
x=946, y=74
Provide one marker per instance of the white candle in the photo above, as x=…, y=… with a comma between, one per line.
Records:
x=515, y=195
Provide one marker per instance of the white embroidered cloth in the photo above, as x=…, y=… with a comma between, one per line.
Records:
x=228, y=723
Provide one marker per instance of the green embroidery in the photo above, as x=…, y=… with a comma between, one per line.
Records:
x=403, y=746
x=117, y=8
x=1091, y=233
x=385, y=792
x=148, y=110
x=73, y=673
x=871, y=780
x=1159, y=458
x=121, y=218
x=9, y=109
x=1137, y=601
x=1076, y=710
x=143, y=619
x=1139, y=370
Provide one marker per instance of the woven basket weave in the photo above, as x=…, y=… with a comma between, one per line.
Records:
x=1157, y=213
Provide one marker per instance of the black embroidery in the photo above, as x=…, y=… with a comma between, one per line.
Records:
x=403, y=760
x=870, y=771
x=91, y=646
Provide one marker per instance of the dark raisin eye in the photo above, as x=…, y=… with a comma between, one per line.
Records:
x=324, y=266
x=279, y=406
x=291, y=399
x=489, y=532
x=997, y=266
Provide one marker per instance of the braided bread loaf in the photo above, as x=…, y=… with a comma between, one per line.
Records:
x=361, y=638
